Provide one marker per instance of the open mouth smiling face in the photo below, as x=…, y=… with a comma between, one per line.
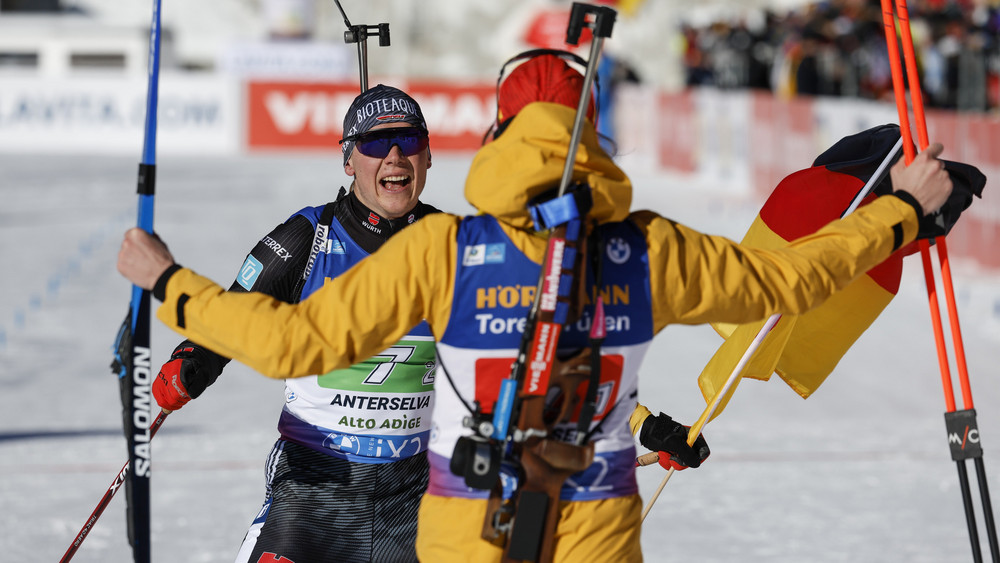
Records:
x=396, y=183
x=390, y=185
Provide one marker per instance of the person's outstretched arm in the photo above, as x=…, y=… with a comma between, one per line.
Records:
x=352, y=317
x=282, y=255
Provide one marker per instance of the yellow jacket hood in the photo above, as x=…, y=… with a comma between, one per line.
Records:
x=528, y=159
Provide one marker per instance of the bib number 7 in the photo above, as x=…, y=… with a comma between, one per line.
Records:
x=393, y=355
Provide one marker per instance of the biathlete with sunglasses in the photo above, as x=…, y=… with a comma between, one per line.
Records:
x=472, y=277
x=344, y=479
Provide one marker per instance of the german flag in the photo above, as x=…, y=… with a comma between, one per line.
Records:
x=803, y=350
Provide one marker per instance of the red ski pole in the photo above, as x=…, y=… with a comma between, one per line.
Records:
x=963, y=433
x=108, y=495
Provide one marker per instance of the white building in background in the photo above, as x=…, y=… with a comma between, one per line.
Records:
x=51, y=45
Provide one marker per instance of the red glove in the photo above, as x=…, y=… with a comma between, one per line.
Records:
x=168, y=387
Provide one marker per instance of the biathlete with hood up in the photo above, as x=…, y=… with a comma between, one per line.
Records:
x=471, y=279
x=345, y=477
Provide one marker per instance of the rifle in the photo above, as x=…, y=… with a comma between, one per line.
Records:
x=525, y=523
x=359, y=34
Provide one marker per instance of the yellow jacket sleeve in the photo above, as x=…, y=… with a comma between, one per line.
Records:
x=639, y=415
x=352, y=317
x=697, y=278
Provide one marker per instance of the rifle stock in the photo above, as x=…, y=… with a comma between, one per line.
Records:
x=546, y=466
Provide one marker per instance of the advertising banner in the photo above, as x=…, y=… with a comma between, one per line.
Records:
x=309, y=115
x=104, y=115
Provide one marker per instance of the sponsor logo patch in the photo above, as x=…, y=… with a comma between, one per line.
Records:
x=475, y=255
x=479, y=254
x=495, y=253
x=619, y=250
x=342, y=443
x=335, y=247
x=274, y=245
x=249, y=272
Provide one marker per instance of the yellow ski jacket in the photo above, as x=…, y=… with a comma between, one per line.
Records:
x=694, y=278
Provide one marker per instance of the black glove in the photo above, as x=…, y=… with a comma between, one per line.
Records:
x=860, y=154
x=664, y=434
x=967, y=182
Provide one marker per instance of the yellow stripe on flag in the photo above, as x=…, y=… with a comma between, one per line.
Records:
x=802, y=350
x=764, y=361
x=822, y=336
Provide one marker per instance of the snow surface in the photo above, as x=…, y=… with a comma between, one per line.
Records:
x=859, y=472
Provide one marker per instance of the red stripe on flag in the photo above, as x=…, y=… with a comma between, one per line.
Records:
x=808, y=199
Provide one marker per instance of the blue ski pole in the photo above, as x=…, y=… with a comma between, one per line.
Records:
x=132, y=351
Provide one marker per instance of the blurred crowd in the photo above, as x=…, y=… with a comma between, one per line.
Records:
x=838, y=48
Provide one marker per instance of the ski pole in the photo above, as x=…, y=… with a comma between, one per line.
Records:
x=108, y=495
x=958, y=423
x=727, y=389
x=132, y=352
x=735, y=376
x=359, y=34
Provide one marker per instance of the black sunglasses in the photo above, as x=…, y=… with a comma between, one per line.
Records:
x=379, y=143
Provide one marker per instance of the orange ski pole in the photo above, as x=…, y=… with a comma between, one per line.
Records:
x=949, y=291
x=961, y=425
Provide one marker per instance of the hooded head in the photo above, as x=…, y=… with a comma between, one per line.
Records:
x=375, y=106
x=542, y=78
x=537, y=107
